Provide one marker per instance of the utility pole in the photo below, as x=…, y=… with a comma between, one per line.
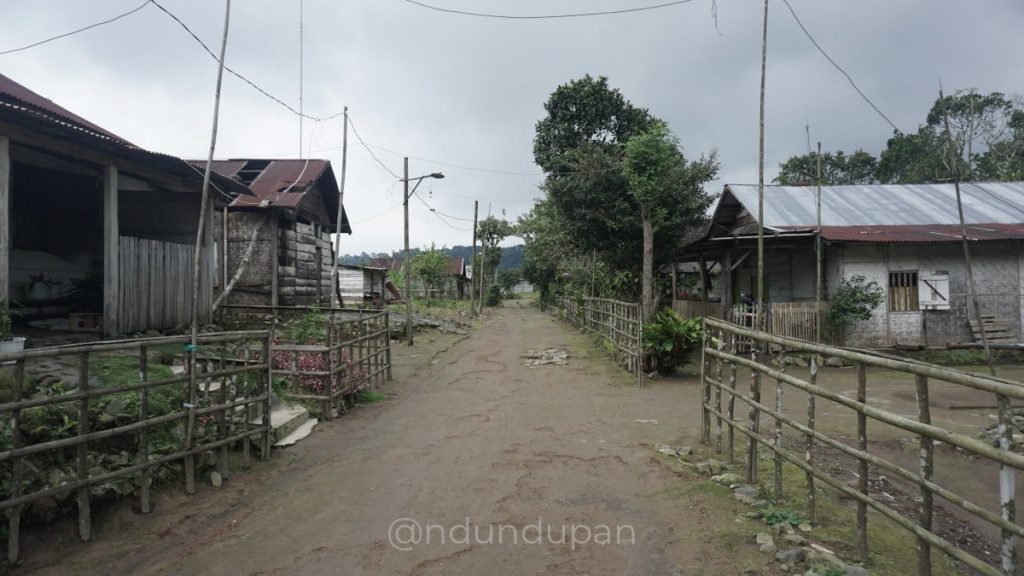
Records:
x=407, y=263
x=483, y=259
x=818, y=255
x=476, y=272
x=761, y=318
x=341, y=211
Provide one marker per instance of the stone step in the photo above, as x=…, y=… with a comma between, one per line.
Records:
x=286, y=419
x=305, y=429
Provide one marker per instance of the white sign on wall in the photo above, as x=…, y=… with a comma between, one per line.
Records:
x=933, y=290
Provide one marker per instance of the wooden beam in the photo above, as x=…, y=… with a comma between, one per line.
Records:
x=111, y=255
x=5, y=218
x=274, y=258
x=727, y=268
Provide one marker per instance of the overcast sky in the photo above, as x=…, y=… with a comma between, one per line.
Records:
x=468, y=91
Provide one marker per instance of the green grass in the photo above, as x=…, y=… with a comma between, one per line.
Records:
x=121, y=370
x=369, y=397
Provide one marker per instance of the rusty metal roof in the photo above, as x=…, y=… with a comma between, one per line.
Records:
x=26, y=106
x=295, y=176
x=919, y=233
x=11, y=90
x=282, y=183
x=885, y=205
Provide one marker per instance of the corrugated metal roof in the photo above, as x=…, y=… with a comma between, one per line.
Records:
x=916, y=233
x=279, y=175
x=10, y=89
x=26, y=103
x=885, y=205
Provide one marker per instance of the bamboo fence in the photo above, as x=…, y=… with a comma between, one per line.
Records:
x=235, y=399
x=355, y=354
x=615, y=322
x=722, y=356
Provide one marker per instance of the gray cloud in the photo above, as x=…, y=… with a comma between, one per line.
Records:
x=468, y=91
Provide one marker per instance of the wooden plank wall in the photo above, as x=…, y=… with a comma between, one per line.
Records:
x=155, y=285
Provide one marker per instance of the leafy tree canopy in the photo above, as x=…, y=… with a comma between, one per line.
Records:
x=837, y=168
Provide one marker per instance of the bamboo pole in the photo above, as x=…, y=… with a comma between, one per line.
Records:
x=732, y=401
x=718, y=393
x=755, y=394
x=84, y=511
x=144, y=480
x=336, y=245
x=862, y=468
x=812, y=507
x=924, y=549
x=779, y=407
x=14, y=513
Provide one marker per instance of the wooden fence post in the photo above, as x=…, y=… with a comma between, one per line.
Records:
x=718, y=392
x=267, y=381
x=732, y=401
x=862, y=481
x=779, y=408
x=84, y=512
x=924, y=549
x=328, y=406
x=222, y=417
x=387, y=342
x=705, y=390
x=14, y=514
x=1007, y=487
x=144, y=476
x=190, y=424
x=754, y=416
x=812, y=509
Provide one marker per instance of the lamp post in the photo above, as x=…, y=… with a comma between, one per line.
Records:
x=407, y=263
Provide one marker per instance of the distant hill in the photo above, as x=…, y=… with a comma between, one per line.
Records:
x=511, y=257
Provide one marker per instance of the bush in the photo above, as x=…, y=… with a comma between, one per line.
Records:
x=492, y=296
x=855, y=299
x=670, y=339
x=5, y=322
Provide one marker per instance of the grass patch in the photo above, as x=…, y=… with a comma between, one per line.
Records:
x=121, y=370
x=369, y=397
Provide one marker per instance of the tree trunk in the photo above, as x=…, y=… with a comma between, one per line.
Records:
x=647, y=293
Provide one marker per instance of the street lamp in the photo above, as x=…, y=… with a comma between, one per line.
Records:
x=408, y=262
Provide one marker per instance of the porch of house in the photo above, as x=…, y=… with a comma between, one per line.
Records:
x=92, y=250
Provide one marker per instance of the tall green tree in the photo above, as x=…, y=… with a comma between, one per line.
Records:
x=431, y=266
x=492, y=231
x=580, y=144
x=661, y=179
x=837, y=168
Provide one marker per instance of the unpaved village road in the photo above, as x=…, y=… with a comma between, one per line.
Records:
x=474, y=435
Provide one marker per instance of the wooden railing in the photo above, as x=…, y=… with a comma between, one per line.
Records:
x=354, y=354
x=221, y=398
x=617, y=323
x=720, y=362
x=789, y=320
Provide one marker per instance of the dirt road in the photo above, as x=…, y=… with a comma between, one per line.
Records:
x=471, y=438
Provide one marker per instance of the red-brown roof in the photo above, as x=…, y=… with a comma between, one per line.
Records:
x=295, y=176
x=916, y=233
x=36, y=112
x=11, y=90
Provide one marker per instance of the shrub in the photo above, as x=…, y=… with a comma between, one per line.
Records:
x=671, y=339
x=492, y=297
x=5, y=322
x=854, y=299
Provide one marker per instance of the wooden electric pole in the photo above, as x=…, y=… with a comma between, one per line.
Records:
x=341, y=212
x=407, y=263
x=476, y=270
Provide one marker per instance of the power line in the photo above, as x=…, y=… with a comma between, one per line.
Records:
x=378, y=215
x=239, y=76
x=73, y=32
x=838, y=67
x=363, y=142
x=441, y=216
x=547, y=16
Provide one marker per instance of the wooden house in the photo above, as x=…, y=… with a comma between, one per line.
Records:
x=359, y=284
x=81, y=206
x=904, y=238
x=289, y=223
x=456, y=286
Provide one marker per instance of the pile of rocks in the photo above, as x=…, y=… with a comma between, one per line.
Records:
x=552, y=356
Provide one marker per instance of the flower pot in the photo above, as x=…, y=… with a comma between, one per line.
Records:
x=16, y=344
x=39, y=291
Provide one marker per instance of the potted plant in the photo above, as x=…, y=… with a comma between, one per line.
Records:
x=38, y=289
x=8, y=342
